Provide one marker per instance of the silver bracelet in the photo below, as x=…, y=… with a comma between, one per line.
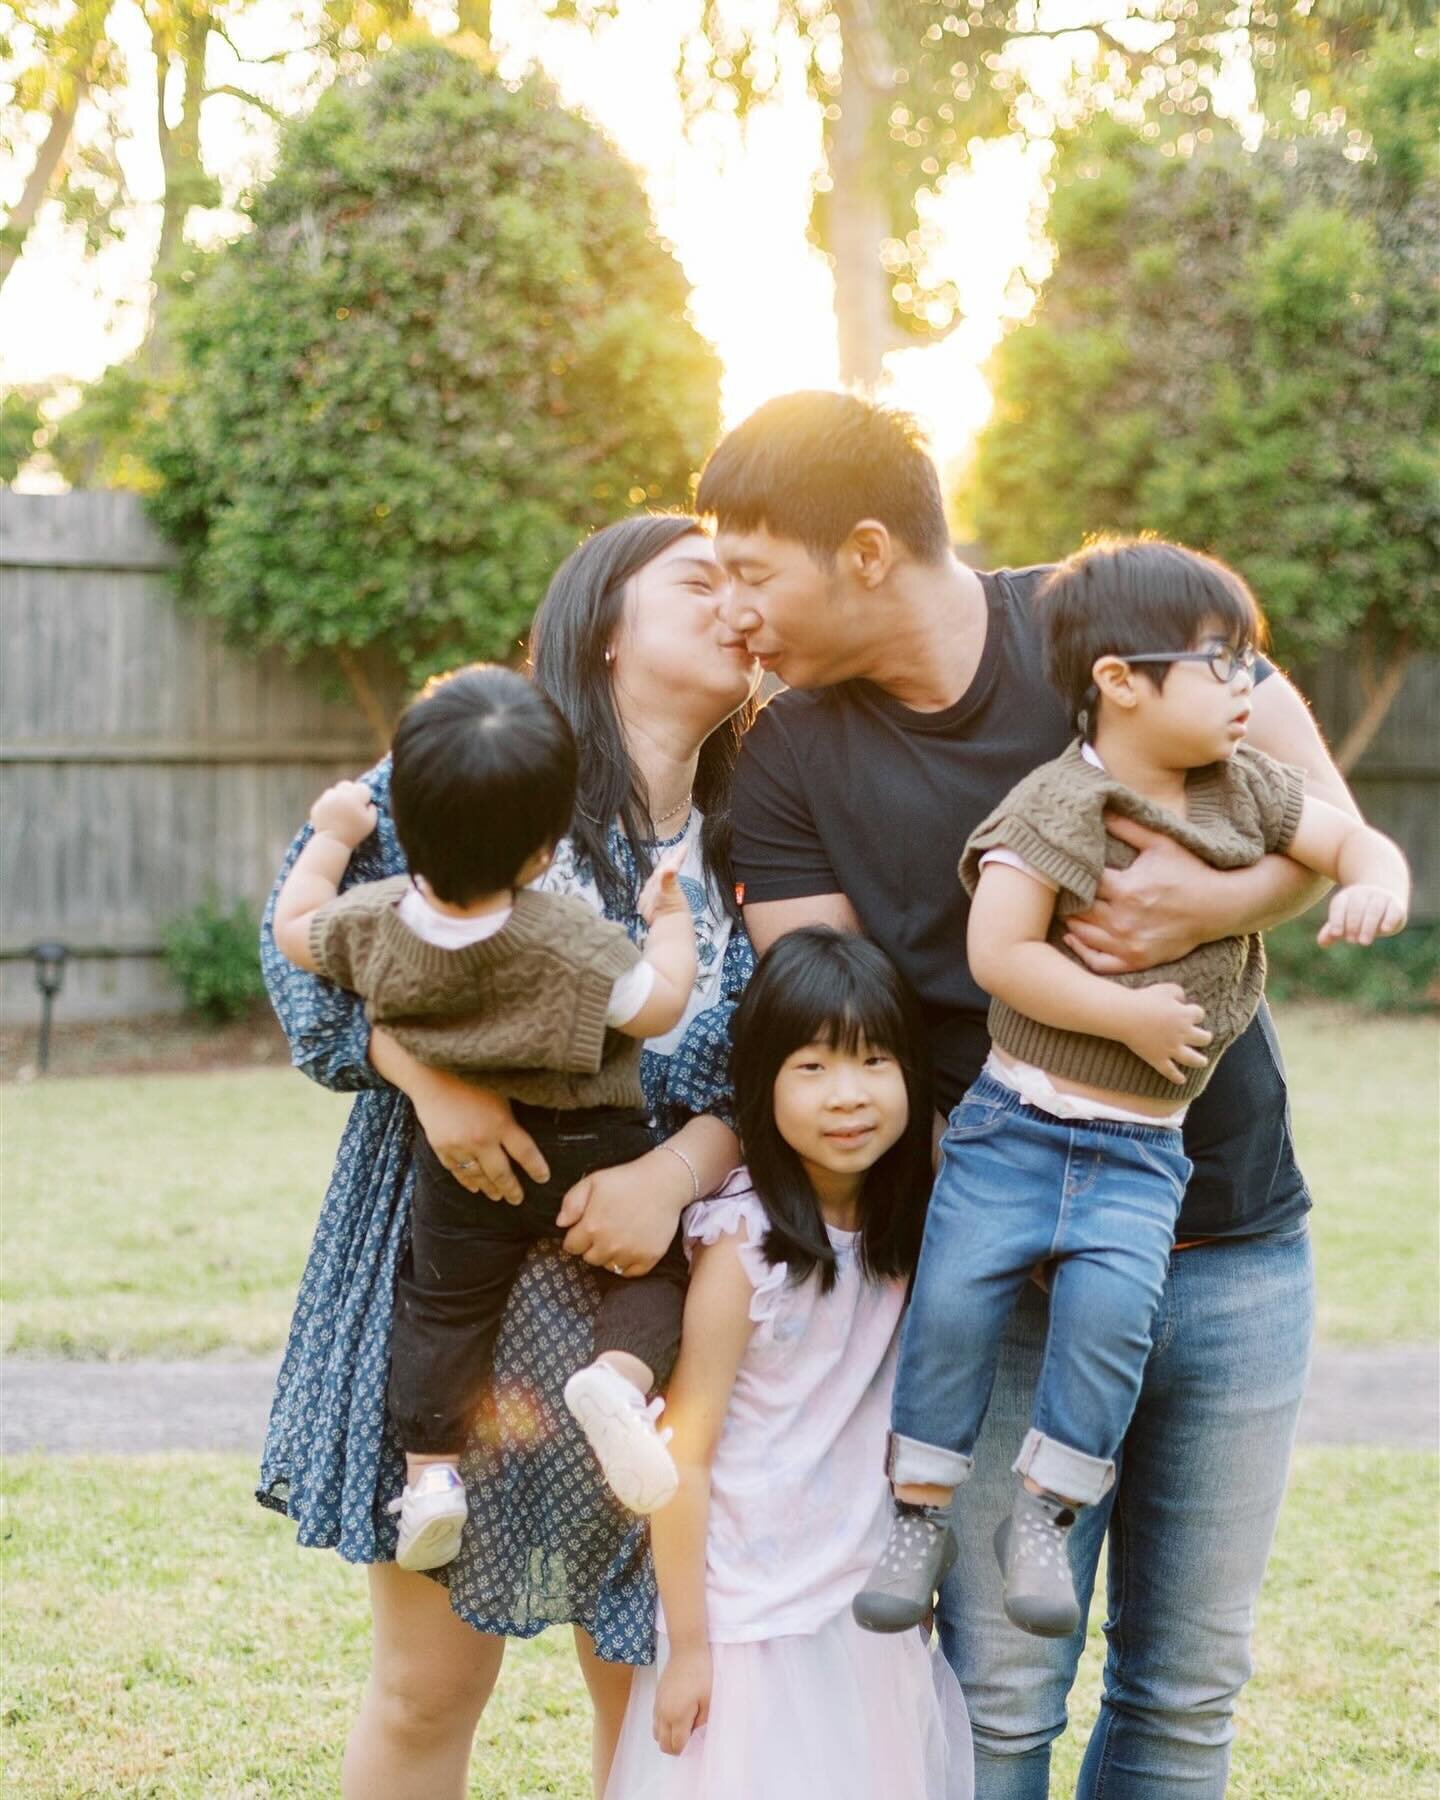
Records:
x=694, y=1178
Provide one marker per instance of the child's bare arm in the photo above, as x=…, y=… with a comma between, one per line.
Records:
x=669, y=949
x=342, y=818
x=1374, y=894
x=1009, y=957
x=717, y=1329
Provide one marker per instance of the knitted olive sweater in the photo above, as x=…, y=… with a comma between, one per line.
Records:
x=524, y=1008
x=1237, y=811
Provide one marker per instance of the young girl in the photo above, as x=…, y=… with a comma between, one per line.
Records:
x=762, y=1685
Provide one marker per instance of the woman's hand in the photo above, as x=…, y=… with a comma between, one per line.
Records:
x=470, y=1129
x=1154, y=912
x=624, y=1218
x=682, y=1697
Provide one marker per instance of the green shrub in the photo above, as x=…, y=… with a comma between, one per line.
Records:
x=214, y=953
x=1399, y=974
x=451, y=345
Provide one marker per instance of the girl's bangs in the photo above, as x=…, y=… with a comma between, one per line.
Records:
x=864, y=1015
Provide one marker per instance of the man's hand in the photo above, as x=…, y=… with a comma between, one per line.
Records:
x=346, y=812
x=624, y=1218
x=1154, y=912
x=1165, y=1029
x=682, y=1698
x=474, y=1134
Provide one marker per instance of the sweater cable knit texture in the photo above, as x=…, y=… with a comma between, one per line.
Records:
x=1236, y=812
x=525, y=1007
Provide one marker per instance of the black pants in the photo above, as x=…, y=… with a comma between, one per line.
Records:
x=465, y=1253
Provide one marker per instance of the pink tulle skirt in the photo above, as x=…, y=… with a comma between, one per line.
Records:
x=841, y=1714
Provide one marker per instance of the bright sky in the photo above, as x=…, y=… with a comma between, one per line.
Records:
x=734, y=205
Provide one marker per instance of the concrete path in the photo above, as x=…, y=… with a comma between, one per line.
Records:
x=1389, y=1396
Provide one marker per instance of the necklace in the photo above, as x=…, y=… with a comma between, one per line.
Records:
x=674, y=812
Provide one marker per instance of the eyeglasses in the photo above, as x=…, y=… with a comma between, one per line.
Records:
x=1224, y=659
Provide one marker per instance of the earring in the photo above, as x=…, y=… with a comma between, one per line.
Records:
x=609, y=657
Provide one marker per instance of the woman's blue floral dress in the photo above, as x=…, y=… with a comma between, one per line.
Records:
x=546, y=1542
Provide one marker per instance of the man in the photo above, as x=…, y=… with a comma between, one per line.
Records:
x=916, y=700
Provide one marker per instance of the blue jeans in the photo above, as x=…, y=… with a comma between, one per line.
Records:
x=1200, y=1478
x=1096, y=1198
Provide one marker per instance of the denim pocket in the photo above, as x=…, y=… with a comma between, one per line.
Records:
x=972, y=1119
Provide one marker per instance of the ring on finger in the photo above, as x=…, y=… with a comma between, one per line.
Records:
x=617, y=1268
x=470, y=1162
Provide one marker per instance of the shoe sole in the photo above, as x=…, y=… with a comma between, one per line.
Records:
x=1036, y=1628
x=436, y=1543
x=636, y=1465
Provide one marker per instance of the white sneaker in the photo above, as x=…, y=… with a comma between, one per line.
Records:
x=621, y=1428
x=432, y=1516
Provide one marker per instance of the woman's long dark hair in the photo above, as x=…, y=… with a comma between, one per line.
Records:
x=575, y=625
x=821, y=986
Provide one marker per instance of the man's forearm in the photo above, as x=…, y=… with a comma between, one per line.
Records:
x=1265, y=895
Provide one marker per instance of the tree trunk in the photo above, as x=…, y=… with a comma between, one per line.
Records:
x=858, y=221
x=365, y=696
x=69, y=92
x=183, y=42
x=1380, y=696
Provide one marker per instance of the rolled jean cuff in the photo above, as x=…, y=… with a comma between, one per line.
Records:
x=915, y=1464
x=1058, y=1469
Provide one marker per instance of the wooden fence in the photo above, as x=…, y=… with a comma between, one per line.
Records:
x=143, y=764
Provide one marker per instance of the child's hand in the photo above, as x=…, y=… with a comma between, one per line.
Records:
x=662, y=893
x=346, y=812
x=1358, y=915
x=1166, y=1031
x=682, y=1698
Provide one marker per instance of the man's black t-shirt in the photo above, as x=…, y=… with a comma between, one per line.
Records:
x=843, y=790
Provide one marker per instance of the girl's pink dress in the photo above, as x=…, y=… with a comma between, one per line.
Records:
x=803, y=1701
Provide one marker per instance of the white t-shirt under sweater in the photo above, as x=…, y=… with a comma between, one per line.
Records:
x=799, y=1504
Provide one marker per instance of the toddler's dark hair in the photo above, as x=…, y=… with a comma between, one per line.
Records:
x=1134, y=595
x=812, y=986
x=483, y=777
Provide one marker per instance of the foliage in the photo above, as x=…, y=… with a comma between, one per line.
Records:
x=213, y=952
x=450, y=345
x=1237, y=350
x=922, y=81
x=98, y=443
x=1396, y=975
x=19, y=421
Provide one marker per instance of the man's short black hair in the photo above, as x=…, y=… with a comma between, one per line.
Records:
x=810, y=466
x=483, y=777
x=1135, y=595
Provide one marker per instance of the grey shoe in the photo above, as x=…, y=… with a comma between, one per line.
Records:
x=1039, y=1593
x=919, y=1553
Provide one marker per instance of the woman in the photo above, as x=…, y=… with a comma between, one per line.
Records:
x=629, y=645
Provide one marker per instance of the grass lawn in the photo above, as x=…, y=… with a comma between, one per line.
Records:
x=1365, y=1097
x=168, y=1215
x=159, y=1215
x=165, y=1637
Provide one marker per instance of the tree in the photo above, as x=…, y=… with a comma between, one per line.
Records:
x=1240, y=351
x=907, y=87
x=450, y=344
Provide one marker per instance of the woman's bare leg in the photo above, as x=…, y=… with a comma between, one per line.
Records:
x=609, y=1685
x=428, y=1685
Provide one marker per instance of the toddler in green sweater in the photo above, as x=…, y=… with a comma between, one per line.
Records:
x=1067, y=1150
x=473, y=971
